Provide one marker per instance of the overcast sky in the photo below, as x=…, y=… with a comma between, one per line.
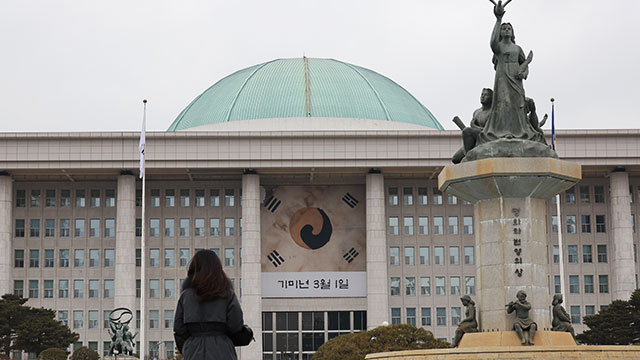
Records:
x=78, y=65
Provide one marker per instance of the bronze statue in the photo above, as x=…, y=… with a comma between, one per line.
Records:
x=524, y=326
x=469, y=324
x=561, y=319
x=121, y=338
x=478, y=120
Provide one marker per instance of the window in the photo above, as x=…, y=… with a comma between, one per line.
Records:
x=50, y=198
x=456, y=315
x=95, y=198
x=138, y=257
x=554, y=224
x=423, y=225
x=18, y=258
x=395, y=316
x=602, y=253
x=35, y=198
x=441, y=316
x=424, y=255
x=154, y=323
x=63, y=317
x=438, y=255
x=50, y=228
x=214, y=197
x=598, y=194
x=184, y=198
x=556, y=254
x=588, y=284
x=572, y=252
x=169, y=227
x=64, y=258
x=229, y=227
x=169, y=288
x=411, y=316
x=589, y=310
x=425, y=286
x=408, y=225
x=587, y=254
x=437, y=196
x=108, y=289
x=198, y=229
x=423, y=196
x=21, y=198
x=184, y=227
x=109, y=257
x=138, y=291
x=154, y=257
x=394, y=256
x=78, y=258
x=34, y=229
x=34, y=258
x=33, y=289
x=229, y=197
x=65, y=198
x=229, y=257
x=570, y=196
x=18, y=288
x=585, y=223
x=19, y=227
x=409, y=256
x=600, y=224
x=454, y=255
x=584, y=194
x=410, y=286
x=393, y=225
x=425, y=316
x=455, y=285
x=138, y=227
x=214, y=227
x=575, y=314
x=94, y=228
x=393, y=196
x=470, y=285
x=571, y=224
x=109, y=228
x=603, y=284
x=438, y=225
x=79, y=228
x=110, y=197
x=452, y=199
x=169, y=257
x=184, y=257
x=395, y=286
x=155, y=197
x=574, y=284
x=453, y=225
x=94, y=288
x=80, y=198
x=440, y=286
x=77, y=319
x=65, y=227
x=199, y=198
x=469, y=255
x=169, y=198
x=154, y=288
x=467, y=223
x=556, y=284
x=407, y=196
x=78, y=289
x=168, y=319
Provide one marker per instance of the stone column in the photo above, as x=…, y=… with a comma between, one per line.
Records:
x=622, y=265
x=6, y=205
x=125, y=289
x=377, y=288
x=250, y=271
x=511, y=248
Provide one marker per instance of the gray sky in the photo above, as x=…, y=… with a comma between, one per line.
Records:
x=77, y=65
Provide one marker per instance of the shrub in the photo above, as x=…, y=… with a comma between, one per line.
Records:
x=84, y=353
x=53, y=354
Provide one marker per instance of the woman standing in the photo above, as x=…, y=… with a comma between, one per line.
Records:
x=207, y=310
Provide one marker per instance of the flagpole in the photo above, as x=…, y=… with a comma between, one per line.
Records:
x=143, y=247
x=559, y=216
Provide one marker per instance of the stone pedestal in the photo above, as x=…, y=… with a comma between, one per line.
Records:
x=511, y=244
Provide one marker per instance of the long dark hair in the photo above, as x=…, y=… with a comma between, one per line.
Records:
x=207, y=277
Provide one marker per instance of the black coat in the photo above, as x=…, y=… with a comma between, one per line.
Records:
x=189, y=311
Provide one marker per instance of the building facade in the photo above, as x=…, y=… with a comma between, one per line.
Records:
x=70, y=234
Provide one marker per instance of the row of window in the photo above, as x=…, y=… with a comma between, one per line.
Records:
x=63, y=289
x=440, y=285
x=588, y=282
x=185, y=197
x=423, y=225
x=587, y=254
x=424, y=255
x=585, y=224
x=393, y=194
x=199, y=228
x=51, y=198
x=79, y=257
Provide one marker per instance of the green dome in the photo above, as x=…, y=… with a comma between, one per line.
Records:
x=304, y=87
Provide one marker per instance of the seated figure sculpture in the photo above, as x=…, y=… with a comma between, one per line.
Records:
x=524, y=326
x=469, y=324
x=561, y=319
x=479, y=119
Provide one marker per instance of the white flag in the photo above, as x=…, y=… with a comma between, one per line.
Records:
x=143, y=139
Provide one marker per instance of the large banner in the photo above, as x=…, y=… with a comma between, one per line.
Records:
x=314, y=284
x=313, y=229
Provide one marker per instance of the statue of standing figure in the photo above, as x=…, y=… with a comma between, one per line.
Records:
x=524, y=325
x=469, y=324
x=561, y=319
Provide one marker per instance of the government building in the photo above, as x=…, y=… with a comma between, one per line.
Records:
x=315, y=181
